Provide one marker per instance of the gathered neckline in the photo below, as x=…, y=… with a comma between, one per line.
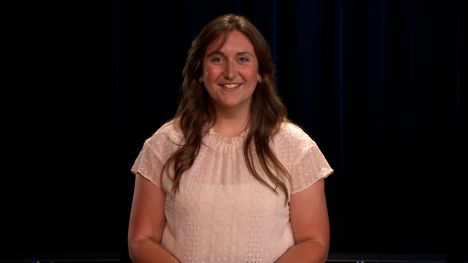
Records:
x=227, y=139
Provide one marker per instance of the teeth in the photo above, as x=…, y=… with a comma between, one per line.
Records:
x=231, y=86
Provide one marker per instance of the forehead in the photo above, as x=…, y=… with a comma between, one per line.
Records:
x=232, y=41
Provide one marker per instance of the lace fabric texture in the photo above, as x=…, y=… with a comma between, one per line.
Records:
x=221, y=213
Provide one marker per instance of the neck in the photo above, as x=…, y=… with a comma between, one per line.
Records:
x=230, y=123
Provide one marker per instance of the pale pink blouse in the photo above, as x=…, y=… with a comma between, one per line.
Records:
x=221, y=213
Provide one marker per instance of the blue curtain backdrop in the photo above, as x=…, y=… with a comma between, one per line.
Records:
x=379, y=85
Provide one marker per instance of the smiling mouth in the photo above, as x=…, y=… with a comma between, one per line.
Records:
x=230, y=85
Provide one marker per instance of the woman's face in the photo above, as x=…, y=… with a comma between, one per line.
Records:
x=230, y=74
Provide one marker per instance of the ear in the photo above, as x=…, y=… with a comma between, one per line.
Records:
x=200, y=79
x=259, y=78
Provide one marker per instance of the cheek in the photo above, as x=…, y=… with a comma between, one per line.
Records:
x=210, y=73
x=252, y=74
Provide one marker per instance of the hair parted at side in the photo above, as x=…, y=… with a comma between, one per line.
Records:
x=196, y=109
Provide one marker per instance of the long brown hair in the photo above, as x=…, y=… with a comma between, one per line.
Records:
x=196, y=109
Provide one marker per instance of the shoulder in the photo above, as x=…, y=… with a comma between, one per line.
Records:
x=168, y=133
x=293, y=135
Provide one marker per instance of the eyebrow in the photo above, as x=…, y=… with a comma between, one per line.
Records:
x=237, y=54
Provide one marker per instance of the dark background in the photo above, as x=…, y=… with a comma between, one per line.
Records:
x=379, y=85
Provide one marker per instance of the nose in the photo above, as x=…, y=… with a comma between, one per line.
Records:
x=229, y=70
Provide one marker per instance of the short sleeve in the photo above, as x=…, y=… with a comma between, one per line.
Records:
x=310, y=167
x=148, y=165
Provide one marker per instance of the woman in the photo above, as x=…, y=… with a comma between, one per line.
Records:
x=229, y=178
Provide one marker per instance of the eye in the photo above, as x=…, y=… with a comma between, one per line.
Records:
x=217, y=59
x=244, y=59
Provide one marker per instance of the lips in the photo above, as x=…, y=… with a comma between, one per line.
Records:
x=230, y=86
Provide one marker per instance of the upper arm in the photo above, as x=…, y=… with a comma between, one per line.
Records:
x=309, y=215
x=147, y=219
